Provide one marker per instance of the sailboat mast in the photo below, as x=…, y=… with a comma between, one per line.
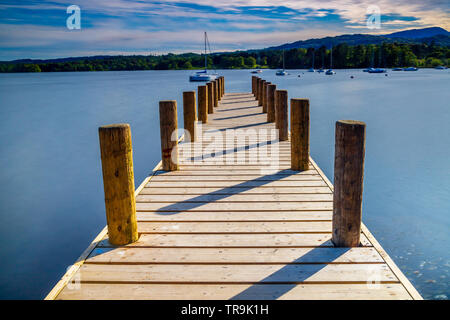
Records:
x=205, y=54
x=331, y=58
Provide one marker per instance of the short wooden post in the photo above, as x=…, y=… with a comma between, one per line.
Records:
x=189, y=113
x=118, y=183
x=281, y=106
x=203, y=103
x=300, y=134
x=216, y=93
x=221, y=87
x=265, y=84
x=210, y=97
x=348, y=182
x=271, y=102
x=168, y=124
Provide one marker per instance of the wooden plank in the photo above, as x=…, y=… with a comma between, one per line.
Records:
x=260, y=216
x=234, y=190
x=202, y=291
x=243, y=184
x=233, y=206
x=241, y=178
x=231, y=173
x=247, y=168
x=172, y=198
x=242, y=273
x=235, y=227
x=233, y=240
x=234, y=255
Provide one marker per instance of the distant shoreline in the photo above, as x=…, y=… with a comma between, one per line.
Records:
x=385, y=55
x=273, y=69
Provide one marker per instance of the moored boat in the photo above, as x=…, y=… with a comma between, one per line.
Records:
x=203, y=75
x=281, y=72
x=376, y=70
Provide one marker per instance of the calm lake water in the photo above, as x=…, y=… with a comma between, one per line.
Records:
x=51, y=193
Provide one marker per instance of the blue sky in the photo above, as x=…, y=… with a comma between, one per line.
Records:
x=37, y=29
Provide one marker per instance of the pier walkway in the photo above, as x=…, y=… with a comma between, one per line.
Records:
x=235, y=230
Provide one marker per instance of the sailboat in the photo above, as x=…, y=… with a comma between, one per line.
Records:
x=312, y=68
x=377, y=70
x=281, y=72
x=330, y=71
x=371, y=61
x=323, y=63
x=204, y=75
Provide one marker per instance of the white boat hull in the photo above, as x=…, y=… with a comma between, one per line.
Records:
x=203, y=77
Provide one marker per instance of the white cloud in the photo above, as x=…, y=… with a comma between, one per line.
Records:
x=229, y=26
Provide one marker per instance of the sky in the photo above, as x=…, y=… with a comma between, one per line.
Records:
x=38, y=29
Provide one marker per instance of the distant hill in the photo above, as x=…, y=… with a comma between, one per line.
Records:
x=437, y=35
x=419, y=33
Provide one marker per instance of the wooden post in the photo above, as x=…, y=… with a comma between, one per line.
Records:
x=118, y=183
x=257, y=88
x=348, y=182
x=210, y=97
x=189, y=113
x=219, y=88
x=216, y=93
x=271, y=102
x=260, y=89
x=253, y=85
x=300, y=134
x=203, y=103
x=281, y=112
x=264, y=93
x=223, y=85
x=168, y=124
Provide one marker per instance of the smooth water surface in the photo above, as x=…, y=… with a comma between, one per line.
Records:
x=51, y=193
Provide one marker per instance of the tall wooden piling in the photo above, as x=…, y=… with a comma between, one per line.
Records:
x=300, y=134
x=189, y=114
x=203, y=103
x=271, y=102
x=348, y=182
x=210, y=97
x=264, y=95
x=168, y=125
x=118, y=183
x=281, y=113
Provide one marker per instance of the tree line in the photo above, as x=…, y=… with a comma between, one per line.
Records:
x=386, y=55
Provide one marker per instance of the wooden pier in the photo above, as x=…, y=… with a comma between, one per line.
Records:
x=217, y=229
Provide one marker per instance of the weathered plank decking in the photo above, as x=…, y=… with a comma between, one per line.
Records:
x=231, y=231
